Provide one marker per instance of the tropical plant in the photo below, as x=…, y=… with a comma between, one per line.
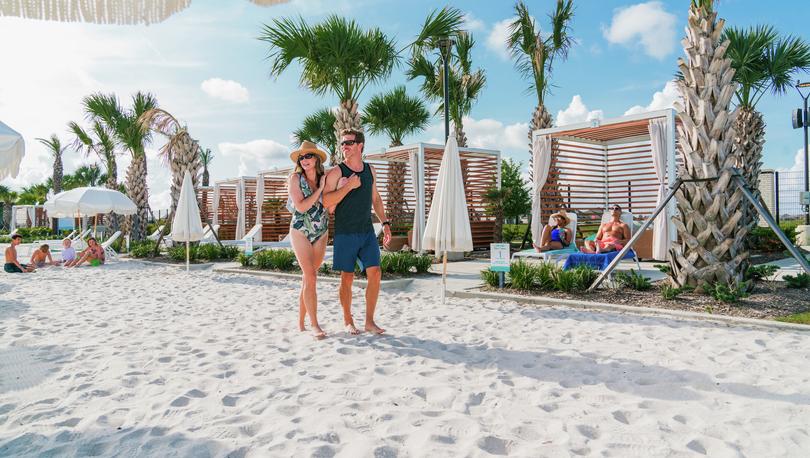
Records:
x=56, y=149
x=760, y=272
x=181, y=152
x=801, y=280
x=634, y=280
x=9, y=198
x=490, y=278
x=730, y=292
x=336, y=57
x=319, y=127
x=34, y=194
x=495, y=200
x=534, y=52
x=206, y=156
x=710, y=245
x=142, y=249
x=519, y=202
x=763, y=62
x=98, y=140
x=396, y=115
x=669, y=292
x=522, y=275
x=87, y=175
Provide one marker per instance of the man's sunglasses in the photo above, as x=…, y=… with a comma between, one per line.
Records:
x=349, y=142
x=615, y=207
x=306, y=156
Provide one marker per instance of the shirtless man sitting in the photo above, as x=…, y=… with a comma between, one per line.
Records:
x=612, y=236
x=12, y=264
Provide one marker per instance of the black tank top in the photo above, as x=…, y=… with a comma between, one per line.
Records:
x=353, y=213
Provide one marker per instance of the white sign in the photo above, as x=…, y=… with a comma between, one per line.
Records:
x=499, y=257
x=249, y=246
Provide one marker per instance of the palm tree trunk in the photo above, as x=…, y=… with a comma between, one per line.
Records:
x=7, y=215
x=395, y=191
x=749, y=141
x=205, y=176
x=57, y=185
x=347, y=117
x=139, y=193
x=185, y=157
x=710, y=246
x=112, y=183
x=461, y=137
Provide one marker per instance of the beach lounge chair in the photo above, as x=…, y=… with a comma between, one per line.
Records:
x=251, y=234
x=155, y=235
x=601, y=260
x=109, y=253
x=552, y=255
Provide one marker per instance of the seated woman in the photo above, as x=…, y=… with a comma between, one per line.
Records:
x=612, y=235
x=93, y=254
x=558, y=236
x=42, y=257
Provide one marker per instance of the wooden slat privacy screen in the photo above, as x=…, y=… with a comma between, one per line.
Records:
x=275, y=216
x=227, y=213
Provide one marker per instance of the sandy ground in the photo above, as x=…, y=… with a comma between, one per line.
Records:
x=131, y=360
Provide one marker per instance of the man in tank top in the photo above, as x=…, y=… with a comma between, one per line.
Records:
x=351, y=188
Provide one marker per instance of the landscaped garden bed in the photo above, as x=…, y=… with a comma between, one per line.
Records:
x=394, y=266
x=198, y=254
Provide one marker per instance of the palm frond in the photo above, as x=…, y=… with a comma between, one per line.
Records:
x=206, y=156
x=561, y=39
x=318, y=128
x=443, y=23
x=396, y=114
x=289, y=41
x=160, y=121
x=53, y=144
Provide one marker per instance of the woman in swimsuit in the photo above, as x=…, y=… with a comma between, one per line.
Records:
x=308, y=228
x=558, y=236
x=93, y=254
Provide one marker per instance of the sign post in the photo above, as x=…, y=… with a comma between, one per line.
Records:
x=499, y=260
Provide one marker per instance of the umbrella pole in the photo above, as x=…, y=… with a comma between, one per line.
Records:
x=95, y=223
x=187, y=256
x=444, y=276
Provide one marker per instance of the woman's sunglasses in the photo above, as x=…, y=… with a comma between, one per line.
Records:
x=306, y=156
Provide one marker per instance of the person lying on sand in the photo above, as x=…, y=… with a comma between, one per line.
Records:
x=42, y=257
x=93, y=254
x=12, y=264
x=612, y=236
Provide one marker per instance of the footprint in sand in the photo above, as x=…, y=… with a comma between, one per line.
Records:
x=588, y=431
x=229, y=401
x=494, y=445
x=696, y=446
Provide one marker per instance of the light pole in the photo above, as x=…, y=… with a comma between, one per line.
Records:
x=805, y=123
x=445, y=46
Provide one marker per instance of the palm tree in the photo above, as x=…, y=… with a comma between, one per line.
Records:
x=710, y=239
x=534, y=53
x=337, y=57
x=319, y=127
x=763, y=62
x=99, y=140
x=396, y=115
x=181, y=152
x=206, y=156
x=88, y=175
x=465, y=83
x=9, y=198
x=56, y=149
x=34, y=194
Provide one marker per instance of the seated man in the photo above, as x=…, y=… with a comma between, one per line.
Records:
x=42, y=257
x=93, y=254
x=12, y=265
x=558, y=236
x=612, y=235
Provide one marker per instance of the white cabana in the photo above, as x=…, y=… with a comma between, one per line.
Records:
x=12, y=150
x=187, y=225
x=448, y=223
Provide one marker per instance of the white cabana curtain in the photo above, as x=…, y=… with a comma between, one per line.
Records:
x=658, y=142
x=240, y=204
x=541, y=163
x=32, y=216
x=259, y=204
x=419, y=196
x=215, y=206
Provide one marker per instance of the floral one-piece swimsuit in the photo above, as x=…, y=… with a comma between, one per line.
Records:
x=314, y=222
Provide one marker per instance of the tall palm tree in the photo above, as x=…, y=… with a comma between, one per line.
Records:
x=56, y=149
x=710, y=239
x=181, y=152
x=319, y=127
x=99, y=140
x=206, y=156
x=465, y=84
x=396, y=115
x=88, y=175
x=534, y=53
x=763, y=62
x=8, y=198
x=337, y=57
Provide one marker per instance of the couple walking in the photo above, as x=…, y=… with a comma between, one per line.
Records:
x=350, y=192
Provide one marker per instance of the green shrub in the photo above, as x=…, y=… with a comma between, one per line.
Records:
x=490, y=278
x=665, y=268
x=633, y=280
x=727, y=292
x=522, y=275
x=765, y=239
x=178, y=252
x=544, y=277
x=801, y=280
x=397, y=263
x=585, y=276
x=761, y=271
x=422, y=263
x=283, y=260
x=143, y=249
x=214, y=252
x=511, y=232
x=245, y=260
x=228, y=253
x=670, y=292
x=325, y=269
x=565, y=280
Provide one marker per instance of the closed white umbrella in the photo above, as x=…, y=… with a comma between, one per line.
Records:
x=187, y=225
x=12, y=150
x=448, y=223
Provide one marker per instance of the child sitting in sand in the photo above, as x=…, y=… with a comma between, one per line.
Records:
x=12, y=264
x=68, y=252
x=93, y=254
x=42, y=257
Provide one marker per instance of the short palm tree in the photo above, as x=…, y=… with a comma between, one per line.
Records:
x=56, y=149
x=763, y=62
x=396, y=115
x=319, y=127
x=8, y=198
x=534, y=53
x=709, y=247
x=206, y=156
x=88, y=175
x=337, y=57
x=34, y=194
x=99, y=140
x=181, y=152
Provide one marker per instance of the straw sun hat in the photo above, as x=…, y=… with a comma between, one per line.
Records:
x=307, y=147
x=562, y=215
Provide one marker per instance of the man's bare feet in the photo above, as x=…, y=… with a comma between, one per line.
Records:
x=374, y=329
x=318, y=333
x=352, y=330
x=301, y=327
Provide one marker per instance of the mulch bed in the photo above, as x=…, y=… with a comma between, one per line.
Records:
x=768, y=300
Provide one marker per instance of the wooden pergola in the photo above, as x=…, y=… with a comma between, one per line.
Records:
x=234, y=206
x=271, y=204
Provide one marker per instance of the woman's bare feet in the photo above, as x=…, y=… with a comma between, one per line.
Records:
x=352, y=330
x=373, y=328
x=318, y=333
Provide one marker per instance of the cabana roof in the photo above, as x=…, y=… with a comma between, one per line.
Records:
x=624, y=129
x=400, y=153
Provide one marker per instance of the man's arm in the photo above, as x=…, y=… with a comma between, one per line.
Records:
x=625, y=234
x=379, y=208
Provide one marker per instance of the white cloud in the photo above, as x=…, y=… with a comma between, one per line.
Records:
x=227, y=90
x=496, y=41
x=662, y=99
x=472, y=23
x=577, y=112
x=798, y=162
x=255, y=155
x=644, y=24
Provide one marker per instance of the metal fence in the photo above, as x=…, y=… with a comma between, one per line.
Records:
x=780, y=191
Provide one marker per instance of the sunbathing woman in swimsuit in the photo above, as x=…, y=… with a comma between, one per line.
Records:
x=558, y=236
x=93, y=254
x=612, y=235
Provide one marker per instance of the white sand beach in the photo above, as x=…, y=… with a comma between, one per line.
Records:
x=130, y=360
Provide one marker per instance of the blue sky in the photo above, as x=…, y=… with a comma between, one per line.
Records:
x=207, y=68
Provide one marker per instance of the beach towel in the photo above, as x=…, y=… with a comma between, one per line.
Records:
x=598, y=261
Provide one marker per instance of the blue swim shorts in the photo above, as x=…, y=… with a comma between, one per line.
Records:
x=352, y=247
